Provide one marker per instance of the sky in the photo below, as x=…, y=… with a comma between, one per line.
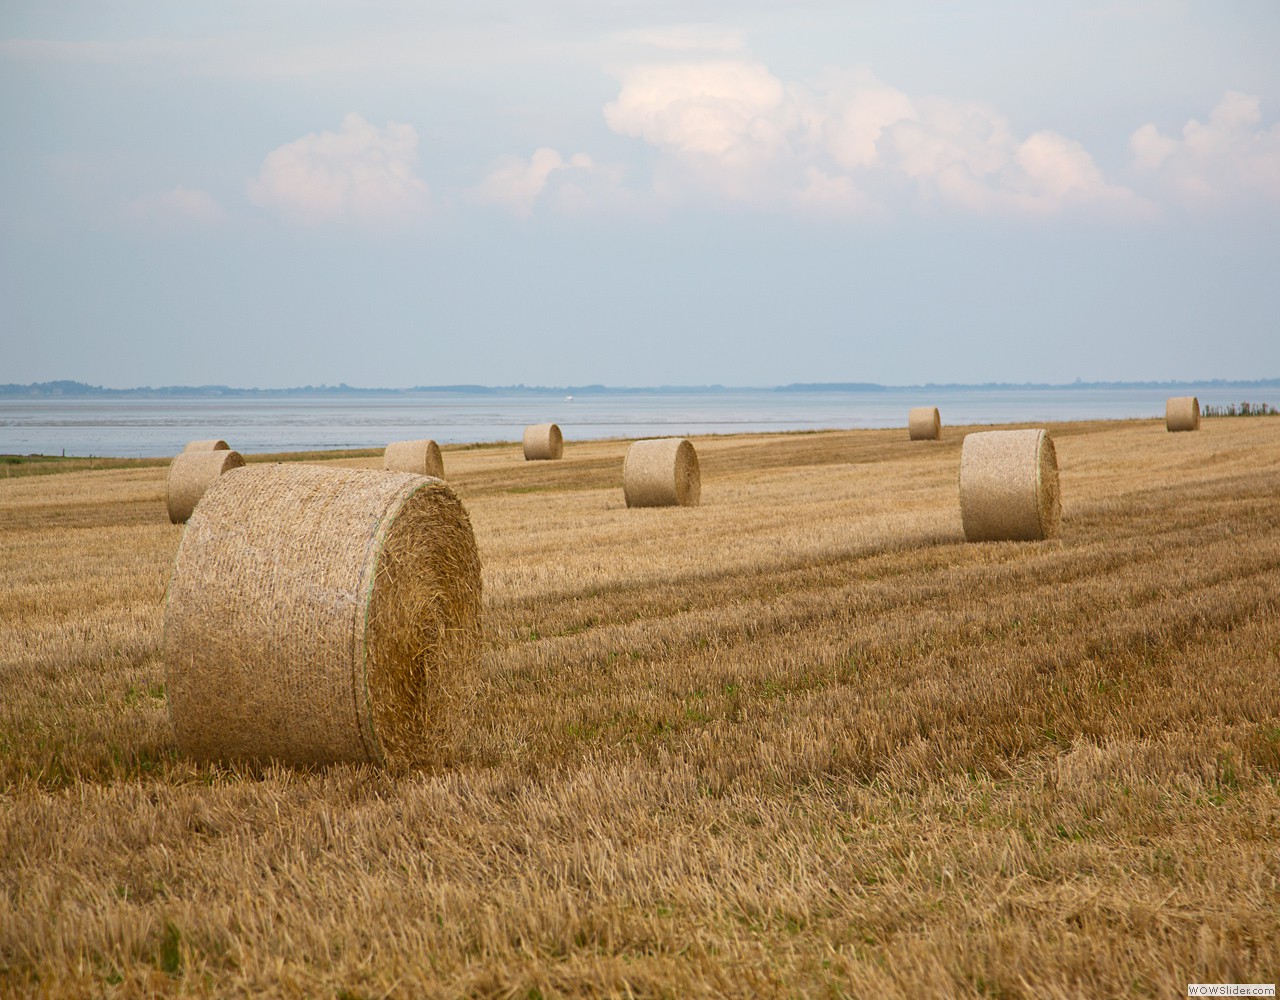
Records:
x=279, y=193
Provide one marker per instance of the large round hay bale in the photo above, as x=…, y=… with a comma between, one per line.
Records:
x=924, y=423
x=661, y=472
x=422, y=458
x=191, y=474
x=1182, y=413
x=210, y=444
x=318, y=615
x=1009, y=486
x=542, y=441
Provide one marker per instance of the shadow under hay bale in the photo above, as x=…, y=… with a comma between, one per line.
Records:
x=542, y=442
x=1182, y=413
x=924, y=423
x=661, y=472
x=422, y=458
x=211, y=444
x=192, y=473
x=319, y=615
x=1009, y=486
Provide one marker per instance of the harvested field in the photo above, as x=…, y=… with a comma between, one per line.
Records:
x=800, y=740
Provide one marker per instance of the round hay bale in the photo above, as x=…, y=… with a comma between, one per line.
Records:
x=212, y=444
x=542, y=441
x=1182, y=413
x=318, y=615
x=661, y=472
x=1009, y=486
x=191, y=474
x=422, y=458
x=924, y=423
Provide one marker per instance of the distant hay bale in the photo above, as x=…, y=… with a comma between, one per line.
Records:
x=661, y=472
x=1009, y=486
x=318, y=615
x=212, y=444
x=422, y=458
x=191, y=474
x=924, y=423
x=542, y=441
x=1182, y=413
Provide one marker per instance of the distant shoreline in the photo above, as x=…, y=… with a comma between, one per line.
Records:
x=64, y=389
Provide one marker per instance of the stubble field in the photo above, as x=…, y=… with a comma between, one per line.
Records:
x=800, y=741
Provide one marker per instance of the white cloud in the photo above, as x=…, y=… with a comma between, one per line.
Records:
x=730, y=129
x=517, y=184
x=181, y=206
x=576, y=185
x=856, y=118
x=1229, y=158
x=362, y=174
x=732, y=110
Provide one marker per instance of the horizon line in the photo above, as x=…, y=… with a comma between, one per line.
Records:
x=69, y=386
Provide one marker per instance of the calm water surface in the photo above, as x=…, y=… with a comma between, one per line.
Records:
x=136, y=426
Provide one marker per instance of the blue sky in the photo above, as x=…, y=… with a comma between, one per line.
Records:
x=552, y=192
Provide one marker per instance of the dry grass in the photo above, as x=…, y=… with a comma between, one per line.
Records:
x=799, y=740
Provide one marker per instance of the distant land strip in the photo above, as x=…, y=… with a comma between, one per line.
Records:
x=69, y=388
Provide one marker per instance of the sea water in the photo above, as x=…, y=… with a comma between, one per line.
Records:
x=133, y=425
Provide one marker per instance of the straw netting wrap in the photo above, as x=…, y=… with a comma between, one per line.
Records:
x=661, y=472
x=318, y=615
x=543, y=441
x=211, y=444
x=191, y=474
x=924, y=423
x=1009, y=486
x=422, y=458
x=1182, y=413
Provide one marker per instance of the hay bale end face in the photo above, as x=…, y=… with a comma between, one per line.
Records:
x=318, y=615
x=422, y=458
x=1009, y=486
x=924, y=423
x=191, y=474
x=1182, y=413
x=212, y=444
x=661, y=472
x=543, y=441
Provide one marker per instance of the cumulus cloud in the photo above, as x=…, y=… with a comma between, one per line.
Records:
x=732, y=129
x=726, y=109
x=517, y=184
x=179, y=206
x=1230, y=157
x=855, y=117
x=576, y=184
x=360, y=174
